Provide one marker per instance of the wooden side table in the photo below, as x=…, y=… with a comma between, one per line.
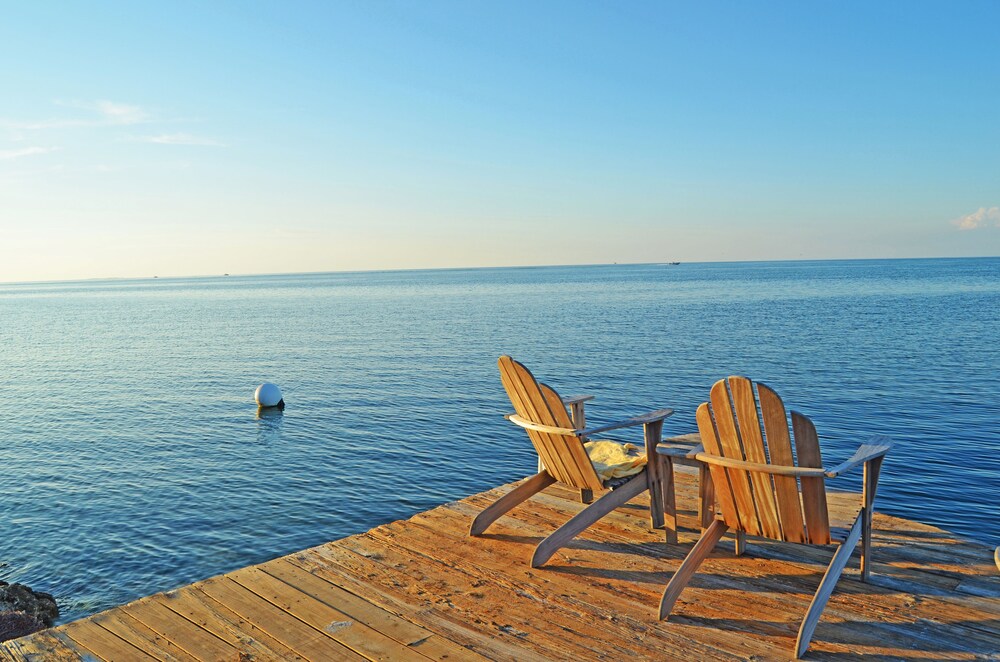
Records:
x=682, y=450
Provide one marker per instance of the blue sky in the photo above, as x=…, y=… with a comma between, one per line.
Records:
x=141, y=139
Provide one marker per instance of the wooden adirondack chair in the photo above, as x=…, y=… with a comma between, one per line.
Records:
x=542, y=413
x=763, y=492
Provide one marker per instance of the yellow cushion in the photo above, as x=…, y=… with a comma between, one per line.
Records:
x=614, y=460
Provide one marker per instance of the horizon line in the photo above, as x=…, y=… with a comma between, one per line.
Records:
x=476, y=268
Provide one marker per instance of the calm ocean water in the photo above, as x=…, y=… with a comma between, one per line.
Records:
x=134, y=461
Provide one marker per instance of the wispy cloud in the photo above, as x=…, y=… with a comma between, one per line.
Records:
x=114, y=113
x=179, y=139
x=101, y=113
x=36, y=125
x=981, y=218
x=9, y=154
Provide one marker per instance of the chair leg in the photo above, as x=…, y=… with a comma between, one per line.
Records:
x=586, y=496
x=866, y=543
x=741, y=543
x=706, y=496
x=826, y=587
x=589, y=515
x=709, y=539
x=658, y=469
x=872, y=469
x=522, y=492
x=668, y=507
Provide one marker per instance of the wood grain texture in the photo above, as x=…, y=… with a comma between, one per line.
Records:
x=119, y=622
x=779, y=445
x=193, y=639
x=528, y=488
x=666, y=494
x=826, y=586
x=720, y=477
x=813, y=489
x=429, y=644
x=531, y=406
x=754, y=468
x=706, y=543
x=543, y=415
x=752, y=439
x=362, y=639
x=45, y=645
x=424, y=582
x=278, y=622
x=734, y=441
x=875, y=447
x=659, y=482
x=102, y=643
x=872, y=469
x=563, y=455
x=576, y=525
x=195, y=607
x=731, y=447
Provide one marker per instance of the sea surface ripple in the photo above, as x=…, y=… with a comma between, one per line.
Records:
x=134, y=459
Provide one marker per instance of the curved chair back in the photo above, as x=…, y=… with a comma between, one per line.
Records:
x=747, y=442
x=562, y=454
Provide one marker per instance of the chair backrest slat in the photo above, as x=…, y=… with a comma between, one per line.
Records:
x=757, y=502
x=572, y=464
x=813, y=489
x=556, y=406
x=575, y=455
x=745, y=405
x=720, y=477
x=729, y=443
x=530, y=403
x=563, y=455
x=779, y=446
x=528, y=408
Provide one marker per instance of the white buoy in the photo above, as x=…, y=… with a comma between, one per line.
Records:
x=268, y=395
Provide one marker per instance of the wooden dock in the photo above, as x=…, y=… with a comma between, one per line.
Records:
x=422, y=589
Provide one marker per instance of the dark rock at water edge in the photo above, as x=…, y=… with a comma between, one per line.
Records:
x=18, y=597
x=23, y=611
x=14, y=624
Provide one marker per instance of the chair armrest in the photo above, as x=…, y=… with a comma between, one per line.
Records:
x=875, y=447
x=577, y=413
x=573, y=399
x=652, y=416
x=550, y=429
x=773, y=469
x=682, y=451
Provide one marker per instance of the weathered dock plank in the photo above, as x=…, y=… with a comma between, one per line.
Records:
x=191, y=638
x=400, y=630
x=422, y=589
x=45, y=645
x=245, y=637
x=305, y=641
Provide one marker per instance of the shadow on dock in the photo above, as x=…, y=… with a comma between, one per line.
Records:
x=422, y=589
